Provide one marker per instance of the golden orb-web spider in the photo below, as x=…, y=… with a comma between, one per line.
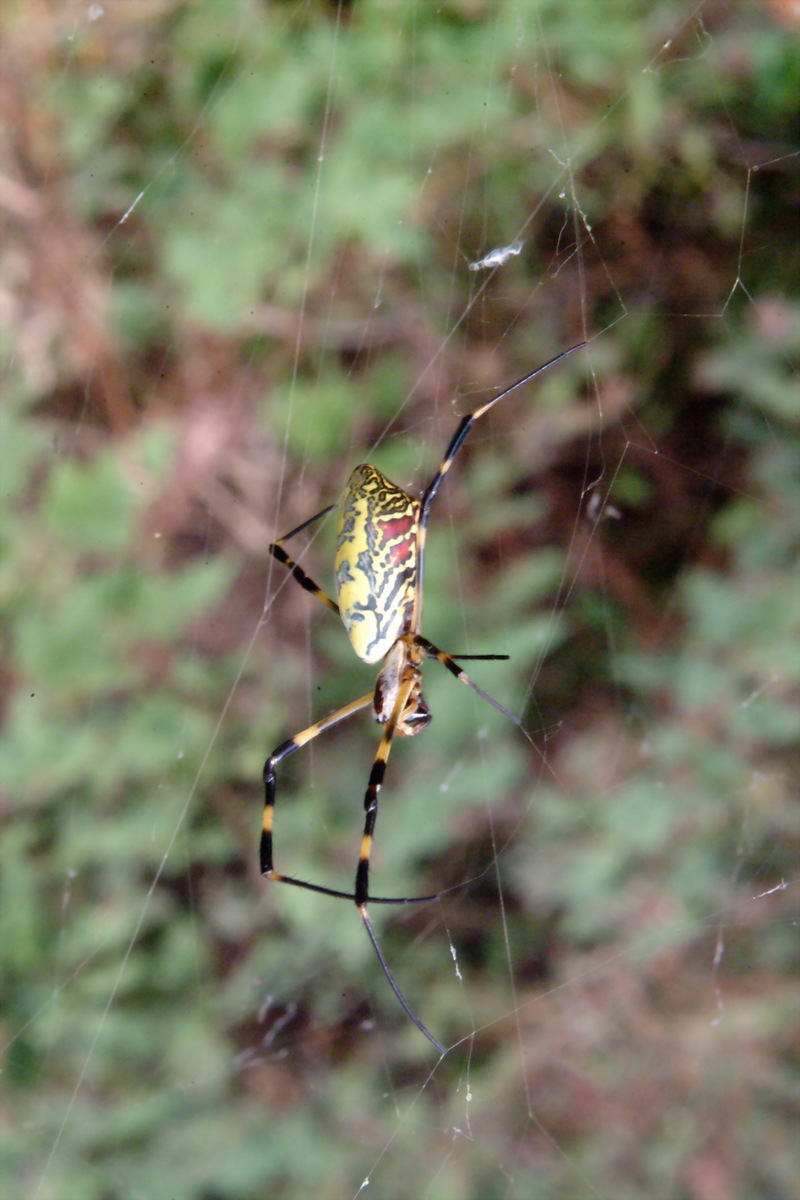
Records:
x=380, y=550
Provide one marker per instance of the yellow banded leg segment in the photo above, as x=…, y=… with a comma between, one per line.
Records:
x=362, y=873
x=306, y=582
x=455, y=444
x=361, y=890
x=461, y=675
x=270, y=784
x=299, y=575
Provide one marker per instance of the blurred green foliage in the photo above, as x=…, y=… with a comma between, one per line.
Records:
x=278, y=205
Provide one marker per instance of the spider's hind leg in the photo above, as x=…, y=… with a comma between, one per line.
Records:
x=270, y=787
x=406, y=1007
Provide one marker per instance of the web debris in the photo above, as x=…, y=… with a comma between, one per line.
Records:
x=497, y=257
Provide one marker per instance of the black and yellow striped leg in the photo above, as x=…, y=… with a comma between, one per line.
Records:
x=270, y=787
x=448, y=660
x=456, y=442
x=306, y=582
x=362, y=895
x=373, y=791
x=466, y=423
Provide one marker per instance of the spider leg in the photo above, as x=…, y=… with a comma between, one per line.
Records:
x=456, y=441
x=373, y=791
x=448, y=660
x=480, y=657
x=362, y=872
x=270, y=788
x=361, y=893
x=466, y=423
x=277, y=551
x=406, y=1007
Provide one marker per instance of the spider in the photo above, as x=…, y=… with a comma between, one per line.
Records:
x=378, y=574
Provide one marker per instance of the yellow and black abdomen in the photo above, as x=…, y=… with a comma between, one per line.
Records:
x=376, y=562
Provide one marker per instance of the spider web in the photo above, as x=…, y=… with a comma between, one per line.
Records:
x=426, y=205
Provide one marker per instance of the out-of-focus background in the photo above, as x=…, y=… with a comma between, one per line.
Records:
x=241, y=252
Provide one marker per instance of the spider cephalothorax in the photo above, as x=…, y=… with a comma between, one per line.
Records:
x=402, y=667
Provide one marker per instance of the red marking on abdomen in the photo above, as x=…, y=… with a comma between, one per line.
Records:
x=399, y=553
x=394, y=527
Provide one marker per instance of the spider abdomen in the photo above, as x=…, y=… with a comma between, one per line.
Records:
x=376, y=562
